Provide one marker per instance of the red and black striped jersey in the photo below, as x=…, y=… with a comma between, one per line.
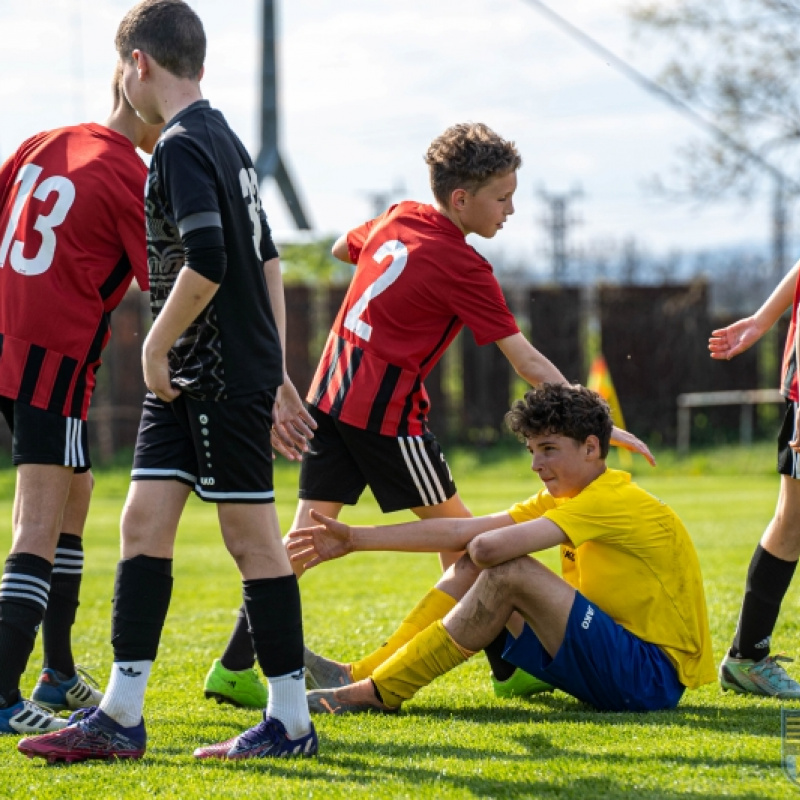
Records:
x=417, y=283
x=789, y=387
x=72, y=236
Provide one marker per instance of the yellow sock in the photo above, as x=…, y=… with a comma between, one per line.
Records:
x=428, y=655
x=435, y=605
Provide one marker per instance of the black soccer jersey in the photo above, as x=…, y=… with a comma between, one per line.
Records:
x=202, y=177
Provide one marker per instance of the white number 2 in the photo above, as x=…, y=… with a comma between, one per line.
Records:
x=399, y=254
x=45, y=223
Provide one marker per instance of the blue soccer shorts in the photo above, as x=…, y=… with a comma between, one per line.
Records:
x=600, y=663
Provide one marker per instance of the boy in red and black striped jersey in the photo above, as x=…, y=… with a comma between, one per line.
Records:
x=71, y=240
x=748, y=667
x=417, y=282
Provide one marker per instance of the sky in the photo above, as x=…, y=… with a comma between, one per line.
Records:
x=364, y=86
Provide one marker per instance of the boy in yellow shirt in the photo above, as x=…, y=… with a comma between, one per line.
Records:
x=624, y=629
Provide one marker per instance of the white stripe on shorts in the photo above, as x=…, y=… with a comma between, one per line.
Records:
x=795, y=455
x=421, y=470
x=73, y=445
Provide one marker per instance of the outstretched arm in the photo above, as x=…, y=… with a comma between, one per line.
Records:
x=725, y=343
x=334, y=539
x=535, y=368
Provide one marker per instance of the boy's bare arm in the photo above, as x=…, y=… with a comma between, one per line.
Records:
x=725, y=343
x=498, y=546
x=334, y=539
x=292, y=425
x=341, y=250
x=531, y=365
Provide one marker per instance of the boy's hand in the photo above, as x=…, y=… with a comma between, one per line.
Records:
x=795, y=443
x=292, y=425
x=156, y=376
x=628, y=441
x=324, y=542
x=725, y=343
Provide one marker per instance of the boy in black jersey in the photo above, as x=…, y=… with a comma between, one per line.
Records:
x=213, y=362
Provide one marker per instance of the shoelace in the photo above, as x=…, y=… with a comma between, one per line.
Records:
x=86, y=676
x=271, y=728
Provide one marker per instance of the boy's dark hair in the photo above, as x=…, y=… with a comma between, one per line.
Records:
x=467, y=156
x=563, y=410
x=169, y=31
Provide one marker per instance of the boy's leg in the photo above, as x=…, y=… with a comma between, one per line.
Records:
x=39, y=500
x=747, y=667
x=523, y=585
x=60, y=686
x=232, y=678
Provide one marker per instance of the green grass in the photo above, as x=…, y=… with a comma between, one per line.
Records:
x=454, y=740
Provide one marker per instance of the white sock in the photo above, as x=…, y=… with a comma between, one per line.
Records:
x=287, y=702
x=123, y=700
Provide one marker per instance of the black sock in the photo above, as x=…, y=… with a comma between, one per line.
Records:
x=275, y=617
x=501, y=669
x=239, y=653
x=23, y=599
x=768, y=580
x=62, y=607
x=141, y=600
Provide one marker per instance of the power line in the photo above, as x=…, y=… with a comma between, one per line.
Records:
x=654, y=88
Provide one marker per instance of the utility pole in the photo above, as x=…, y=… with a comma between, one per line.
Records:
x=269, y=162
x=557, y=223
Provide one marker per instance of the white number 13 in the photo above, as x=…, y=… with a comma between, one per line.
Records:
x=399, y=253
x=45, y=223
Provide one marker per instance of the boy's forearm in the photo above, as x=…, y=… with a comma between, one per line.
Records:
x=425, y=535
x=780, y=299
x=277, y=300
x=190, y=295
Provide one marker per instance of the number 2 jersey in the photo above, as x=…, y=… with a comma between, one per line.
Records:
x=71, y=239
x=417, y=283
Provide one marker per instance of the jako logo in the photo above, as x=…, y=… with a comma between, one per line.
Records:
x=587, y=618
x=207, y=481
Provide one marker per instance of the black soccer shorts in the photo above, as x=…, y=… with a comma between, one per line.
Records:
x=45, y=437
x=221, y=449
x=402, y=472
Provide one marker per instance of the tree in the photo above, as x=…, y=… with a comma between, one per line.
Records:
x=736, y=62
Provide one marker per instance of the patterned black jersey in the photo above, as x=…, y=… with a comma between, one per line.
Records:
x=201, y=177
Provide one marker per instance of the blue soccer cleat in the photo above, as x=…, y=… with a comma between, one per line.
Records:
x=95, y=736
x=268, y=739
x=59, y=693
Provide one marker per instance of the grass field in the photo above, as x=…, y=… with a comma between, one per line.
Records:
x=455, y=740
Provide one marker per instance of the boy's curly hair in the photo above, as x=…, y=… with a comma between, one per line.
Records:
x=467, y=156
x=563, y=410
x=169, y=31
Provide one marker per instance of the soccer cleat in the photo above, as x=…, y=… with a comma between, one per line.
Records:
x=268, y=739
x=58, y=693
x=240, y=688
x=358, y=700
x=96, y=736
x=27, y=717
x=520, y=684
x=766, y=677
x=322, y=673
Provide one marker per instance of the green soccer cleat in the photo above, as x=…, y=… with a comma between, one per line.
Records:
x=520, y=684
x=766, y=678
x=241, y=688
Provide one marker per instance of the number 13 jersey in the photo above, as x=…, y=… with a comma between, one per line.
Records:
x=417, y=283
x=71, y=238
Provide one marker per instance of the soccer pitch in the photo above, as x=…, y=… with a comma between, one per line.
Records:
x=455, y=739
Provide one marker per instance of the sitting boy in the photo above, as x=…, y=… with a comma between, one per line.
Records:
x=624, y=629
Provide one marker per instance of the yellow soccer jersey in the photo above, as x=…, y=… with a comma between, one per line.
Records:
x=631, y=555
